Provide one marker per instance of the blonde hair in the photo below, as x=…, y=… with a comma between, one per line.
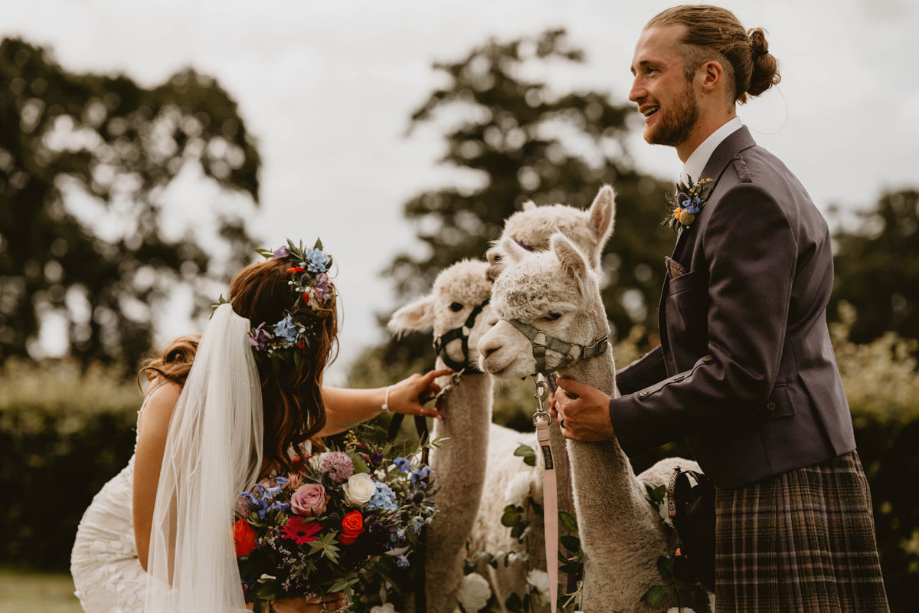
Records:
x=715, y=33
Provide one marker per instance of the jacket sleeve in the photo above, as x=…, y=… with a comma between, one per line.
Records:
x=750, y=252
x=643, y=372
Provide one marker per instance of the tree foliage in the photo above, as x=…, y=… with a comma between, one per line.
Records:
x=521, y=140
x=115, y=146
x=877, y=268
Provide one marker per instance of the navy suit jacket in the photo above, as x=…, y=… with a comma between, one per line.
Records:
x=745, y=368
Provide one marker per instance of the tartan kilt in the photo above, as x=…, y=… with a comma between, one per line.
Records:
x=799, y=541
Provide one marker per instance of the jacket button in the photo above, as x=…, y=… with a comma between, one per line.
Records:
x=643, y=394
x=679, y=378
x=771, y=405
x=707, y=358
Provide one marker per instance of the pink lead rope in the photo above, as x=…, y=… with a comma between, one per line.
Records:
x=550, y=494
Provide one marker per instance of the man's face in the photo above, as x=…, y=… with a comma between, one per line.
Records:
x=664, y=96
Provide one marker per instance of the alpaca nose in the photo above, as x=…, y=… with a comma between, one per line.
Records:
x=488, y=346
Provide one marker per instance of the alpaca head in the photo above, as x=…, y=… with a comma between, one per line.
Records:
x=458, y=290
x=555, y=291
x=534, y=225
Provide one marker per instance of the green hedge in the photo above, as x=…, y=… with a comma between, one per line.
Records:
x=64, y=433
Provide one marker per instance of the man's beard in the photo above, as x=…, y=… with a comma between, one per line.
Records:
x=675, y=125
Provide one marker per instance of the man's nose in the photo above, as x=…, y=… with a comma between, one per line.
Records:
x=637, y=92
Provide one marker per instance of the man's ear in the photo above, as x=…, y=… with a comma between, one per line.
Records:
x=602, y=215
x=414, y=316
x=713, y=76
x=571, y=258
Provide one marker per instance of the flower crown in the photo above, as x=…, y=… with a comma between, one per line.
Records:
x=310, y=290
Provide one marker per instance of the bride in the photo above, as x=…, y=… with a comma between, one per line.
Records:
x=220, y=414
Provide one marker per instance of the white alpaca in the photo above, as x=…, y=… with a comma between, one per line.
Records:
x=621, y=533
x=534, y=225
x=478, y=455
x=589, y=230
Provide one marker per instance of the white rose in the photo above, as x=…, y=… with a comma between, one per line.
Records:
x=539, y=579
x=473, y=593
x=359, y=489
x=517, y=489
x=386, y=608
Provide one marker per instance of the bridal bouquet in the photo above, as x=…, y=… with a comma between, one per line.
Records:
x=346, y=520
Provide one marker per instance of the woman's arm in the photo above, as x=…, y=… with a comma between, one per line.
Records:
x=153, y=427
x=346, y=407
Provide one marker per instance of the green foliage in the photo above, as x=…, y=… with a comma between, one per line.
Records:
x=114, y=147
x=521, y=140
x=63, y=434
x=877, y=268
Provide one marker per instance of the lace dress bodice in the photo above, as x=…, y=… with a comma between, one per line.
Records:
x=106, y=571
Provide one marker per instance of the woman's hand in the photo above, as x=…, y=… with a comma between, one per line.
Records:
x=409, y=395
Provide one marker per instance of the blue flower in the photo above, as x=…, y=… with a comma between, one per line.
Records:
x=418, y=475
x=384, y=498
x=417, y=524
x=402, y=562
x=316, y=260
x=286, y=329
x=402, y=464
x=400, y=534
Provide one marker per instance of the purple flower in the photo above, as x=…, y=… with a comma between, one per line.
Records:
x=402, y=464
x=259, y=337
x=418, y=475
x=281, y=252
x=337, y=465
x=322, y=286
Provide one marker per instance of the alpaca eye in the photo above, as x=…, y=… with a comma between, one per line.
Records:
x=456, y=307
x=552, y=316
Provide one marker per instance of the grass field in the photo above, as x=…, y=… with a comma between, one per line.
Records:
x=36, y=593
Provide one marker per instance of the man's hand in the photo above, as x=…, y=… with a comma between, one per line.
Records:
x=583, y=411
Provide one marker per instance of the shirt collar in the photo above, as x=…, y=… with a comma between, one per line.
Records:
x=699, y=158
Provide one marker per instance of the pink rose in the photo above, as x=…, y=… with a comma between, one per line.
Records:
x=309, y=499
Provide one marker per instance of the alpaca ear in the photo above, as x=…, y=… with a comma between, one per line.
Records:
x=414, y=316
x=529, y=205
x=511, y=250
x=571, y=258
x=602, y=215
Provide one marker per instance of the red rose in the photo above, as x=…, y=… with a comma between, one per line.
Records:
x=291, y=271
x=243, y=538
x=351, y=527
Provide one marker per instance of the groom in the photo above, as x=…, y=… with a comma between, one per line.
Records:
x=745, y=369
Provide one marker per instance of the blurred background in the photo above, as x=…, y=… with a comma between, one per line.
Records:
x=147, y=148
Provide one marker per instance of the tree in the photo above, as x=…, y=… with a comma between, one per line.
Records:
x=115, y=145
x=877, y=268
x=523, y=141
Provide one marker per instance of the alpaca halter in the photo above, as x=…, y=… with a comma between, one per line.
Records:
x=571, y=352
x=463, y=332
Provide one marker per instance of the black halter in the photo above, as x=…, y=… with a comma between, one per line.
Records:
x=462, y=333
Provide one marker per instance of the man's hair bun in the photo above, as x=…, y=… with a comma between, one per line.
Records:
x=765, y=71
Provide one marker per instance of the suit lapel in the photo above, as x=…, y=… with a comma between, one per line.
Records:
x=714, y=169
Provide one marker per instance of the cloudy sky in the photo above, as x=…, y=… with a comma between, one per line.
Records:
x=327, y=88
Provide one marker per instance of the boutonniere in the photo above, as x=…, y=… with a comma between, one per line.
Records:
x=688, y=203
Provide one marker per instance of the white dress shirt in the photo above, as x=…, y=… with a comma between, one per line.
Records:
x=694, y=166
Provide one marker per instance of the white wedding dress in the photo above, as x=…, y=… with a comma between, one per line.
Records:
x=104, y=564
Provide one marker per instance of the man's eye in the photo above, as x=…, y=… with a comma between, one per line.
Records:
x=552, y=316
x=456, y=307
